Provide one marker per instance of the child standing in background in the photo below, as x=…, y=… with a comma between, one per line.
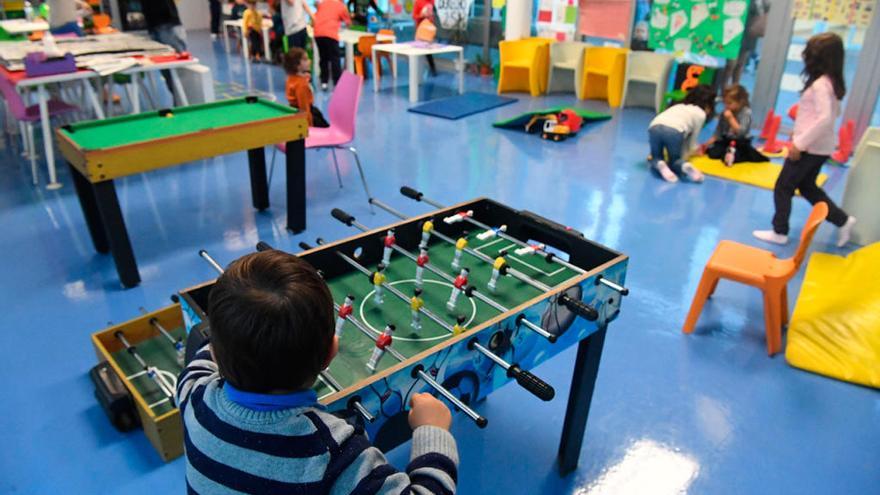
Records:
x=813, y=140
x=238, y=9
x=676, y=127
x=734, y=126
x=329, y=16
x=299, y=88
x=252, y=25
x=276, y=39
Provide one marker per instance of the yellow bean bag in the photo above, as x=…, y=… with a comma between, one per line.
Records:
x=835, y=328
x=762, y=174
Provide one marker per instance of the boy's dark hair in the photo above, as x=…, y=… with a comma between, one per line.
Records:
x=271, y=318
x=823, y=56
x=737, y=93
x=702, y=96
x=292, y=59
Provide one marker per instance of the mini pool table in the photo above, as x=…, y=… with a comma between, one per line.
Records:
x=100, y=151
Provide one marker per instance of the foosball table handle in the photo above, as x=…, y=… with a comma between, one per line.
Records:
x=342, y=216
x=411, y=193
x=263, y=246
x=579, y=308
x=539, y=388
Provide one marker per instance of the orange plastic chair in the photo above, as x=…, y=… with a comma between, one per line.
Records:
x=524, y=65
x=365, y=54
x=758, y=268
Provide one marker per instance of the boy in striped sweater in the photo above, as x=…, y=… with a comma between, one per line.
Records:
x=252, y=423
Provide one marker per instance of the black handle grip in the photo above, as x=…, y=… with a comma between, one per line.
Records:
x=263, y=246
x=580, y=308
x=304, y=245
x=342, y=216
x=539, y=388
x=411, y=193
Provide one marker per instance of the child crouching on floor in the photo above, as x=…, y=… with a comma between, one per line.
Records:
x=676, y=131
x=734, y=127
x=299, y=86
x=252, y=423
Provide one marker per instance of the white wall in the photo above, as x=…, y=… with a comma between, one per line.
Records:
x=194, y=14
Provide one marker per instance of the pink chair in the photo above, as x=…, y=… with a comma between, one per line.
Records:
x=342, y=115
x=27, y=116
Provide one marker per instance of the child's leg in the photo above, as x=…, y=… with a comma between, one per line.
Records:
x=792, y=174
x=324, y=54
x=673, y=141
x=815, y=194
x=318, y=119
x=335, y=65
x=655, y=141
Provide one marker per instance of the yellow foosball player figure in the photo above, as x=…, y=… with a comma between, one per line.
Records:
x=498, y=266
x=460, y=245
x=416, y=304
x=427, y=229
x=458, y=328
x=378, y=278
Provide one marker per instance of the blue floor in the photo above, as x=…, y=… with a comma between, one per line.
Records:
x=706, y=413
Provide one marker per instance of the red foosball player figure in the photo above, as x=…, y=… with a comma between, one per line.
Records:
x=458, y=285
x=378, y=278
x=389, y=241
x=344, y=311
x=499, y=265
x=427, y=229
x=415, y=304
x=382, y=342
x=460, y=245
x=459, y=325
x=421, y=260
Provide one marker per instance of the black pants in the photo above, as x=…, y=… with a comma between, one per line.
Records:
x=430, y=59
x=215, y=16
x=255, y=38
x=801, y=175
x=318, y=119
x=328, y=50
x=297, y=39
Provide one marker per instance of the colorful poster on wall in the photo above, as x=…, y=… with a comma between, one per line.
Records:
x=557, y=19
x=608, y=19
x=453, y=14
x=703, y=27
x=851, y=12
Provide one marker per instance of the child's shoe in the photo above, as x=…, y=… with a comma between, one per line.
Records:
x=845, y=231
x=323, y=86
x=771, y=237
x=666, y=172
x=693, y=174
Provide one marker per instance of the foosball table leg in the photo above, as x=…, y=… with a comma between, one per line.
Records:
x=583, y=381
x=259, y=181
x=296, y=185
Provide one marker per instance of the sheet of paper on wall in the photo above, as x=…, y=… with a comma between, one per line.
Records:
x=679, y=20
x=699, y=13
x=732, y=28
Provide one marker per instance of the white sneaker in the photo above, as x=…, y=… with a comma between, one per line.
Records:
x=666, y=172
x=323, y=86
x=845, y=231
x=693, y=174
x=771, y=237
x=213, y=37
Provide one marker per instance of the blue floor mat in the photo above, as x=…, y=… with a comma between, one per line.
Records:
x=456, y=107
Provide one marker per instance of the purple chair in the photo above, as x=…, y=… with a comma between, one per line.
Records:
x=342, y=115
x=26, y=117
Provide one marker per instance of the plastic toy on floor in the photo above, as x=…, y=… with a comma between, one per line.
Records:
x=555, y=126
x=835, y=328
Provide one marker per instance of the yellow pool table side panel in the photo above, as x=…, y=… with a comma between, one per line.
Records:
x=120, y=161
x=165, y=432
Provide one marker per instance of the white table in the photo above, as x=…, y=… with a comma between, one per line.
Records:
x=87, y=78
x=415, y=51
x=22, y=26
x=239, y=25
x=350, y=37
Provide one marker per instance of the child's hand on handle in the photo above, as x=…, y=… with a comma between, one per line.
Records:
x=426, y=410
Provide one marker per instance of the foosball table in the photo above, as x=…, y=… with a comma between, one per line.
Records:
x=458, y=302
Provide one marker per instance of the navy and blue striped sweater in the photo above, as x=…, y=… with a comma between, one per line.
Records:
x=233, y=448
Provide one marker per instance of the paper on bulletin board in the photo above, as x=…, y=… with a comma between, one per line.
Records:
x=557, y=19
x=702, y=27
x=607, y=19
x=847, y=12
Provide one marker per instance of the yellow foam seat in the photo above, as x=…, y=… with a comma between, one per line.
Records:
x=524, y=65
x=603, y=74
x=835, y=327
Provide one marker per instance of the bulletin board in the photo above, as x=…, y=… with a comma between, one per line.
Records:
x=608, y=19
x=557, y=19
x=702, y=27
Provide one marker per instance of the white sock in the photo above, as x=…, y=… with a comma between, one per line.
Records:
x=692, y=172
x=845, y=231
x=771, y=237
x=666, y=172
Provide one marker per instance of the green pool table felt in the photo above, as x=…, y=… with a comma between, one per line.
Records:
x=118, y=131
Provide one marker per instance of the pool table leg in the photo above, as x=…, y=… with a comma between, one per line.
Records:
x=583, y=381
x=117, y=234
x=296, y=185
x=89, y=206
x=259, y=182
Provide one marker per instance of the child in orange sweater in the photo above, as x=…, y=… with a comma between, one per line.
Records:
x=298, y=87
